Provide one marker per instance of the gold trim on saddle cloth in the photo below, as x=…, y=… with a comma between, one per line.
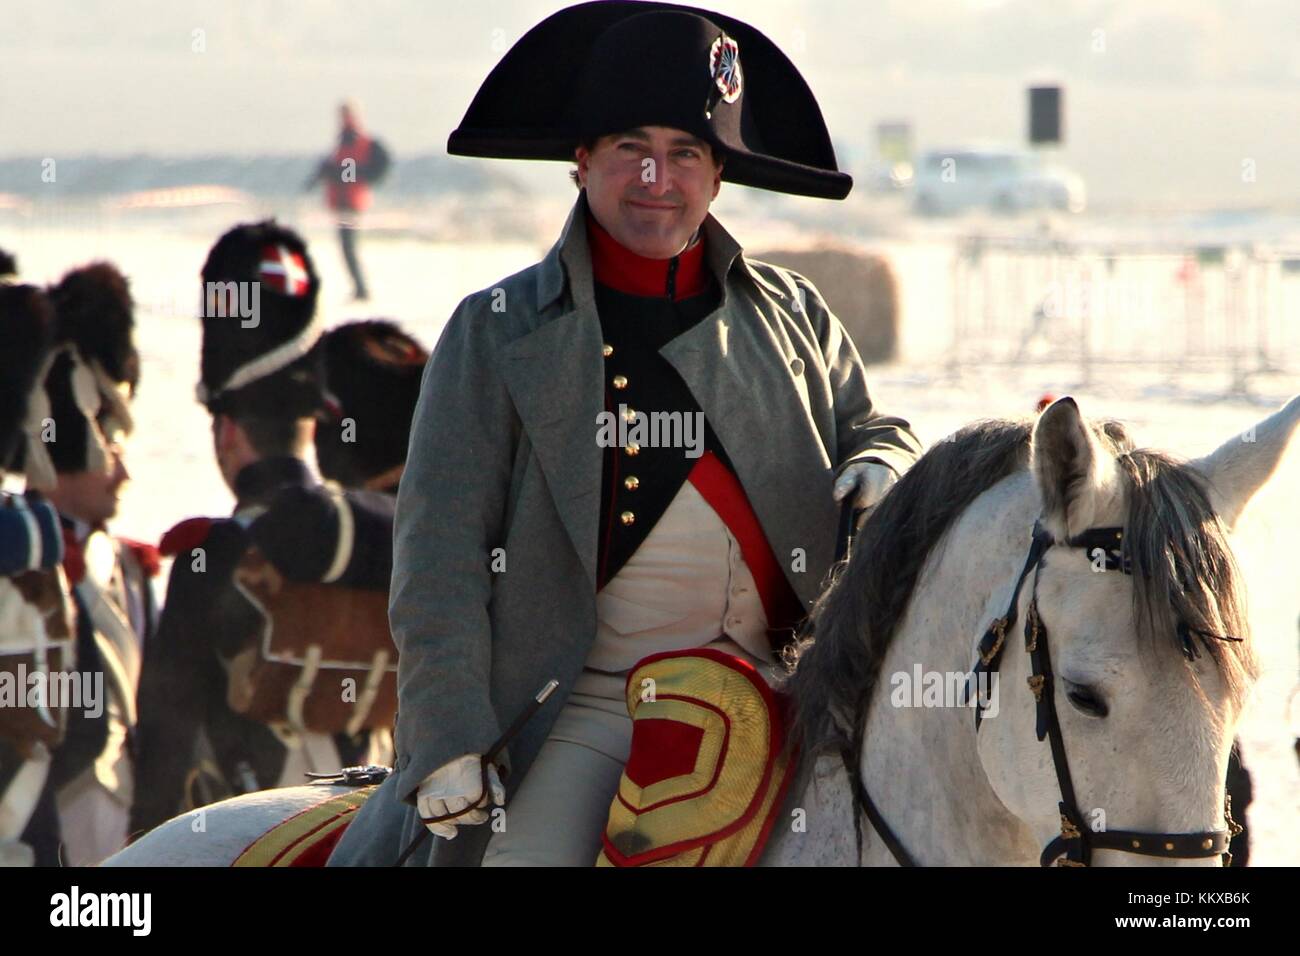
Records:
x=709, y=765
x=301, y=839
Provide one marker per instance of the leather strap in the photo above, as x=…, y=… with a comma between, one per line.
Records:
x=1186, y=846
x=993, y=642
x=863, y=802
x=1042, y=684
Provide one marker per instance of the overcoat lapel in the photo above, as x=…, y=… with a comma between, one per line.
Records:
x=555, y=375
x=730, y=362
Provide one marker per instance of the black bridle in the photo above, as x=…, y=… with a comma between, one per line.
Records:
x=1076, y=842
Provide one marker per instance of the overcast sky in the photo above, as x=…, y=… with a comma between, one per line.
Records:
x=1164, y=98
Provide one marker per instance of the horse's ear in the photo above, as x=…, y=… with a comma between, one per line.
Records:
x=1244, y=463
x=1076, y=476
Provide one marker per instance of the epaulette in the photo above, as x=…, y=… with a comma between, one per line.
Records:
x=30, y=537
x=147, y=556
x=185, y=536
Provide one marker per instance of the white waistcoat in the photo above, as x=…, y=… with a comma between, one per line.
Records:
x=685, y=586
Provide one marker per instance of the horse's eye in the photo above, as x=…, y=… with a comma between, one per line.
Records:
x=1085, y=699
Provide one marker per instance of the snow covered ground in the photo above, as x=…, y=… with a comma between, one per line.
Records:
x=420, y=283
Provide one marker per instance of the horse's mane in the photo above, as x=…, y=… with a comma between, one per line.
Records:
x=1183, y=570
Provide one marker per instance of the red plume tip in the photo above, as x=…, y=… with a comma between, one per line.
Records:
x=185, y=536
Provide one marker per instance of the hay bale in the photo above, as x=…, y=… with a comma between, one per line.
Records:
x=860, y=288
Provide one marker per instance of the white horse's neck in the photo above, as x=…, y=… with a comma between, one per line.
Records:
x=920, y=763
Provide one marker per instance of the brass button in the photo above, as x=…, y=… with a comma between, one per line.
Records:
x=629, y=414
x=631, y=482
x=632, y=449
x=627, y=517
x=620, y=382
x=607, y=350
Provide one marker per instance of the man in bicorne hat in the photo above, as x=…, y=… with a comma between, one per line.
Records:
x=261, y=381
x=537, y=536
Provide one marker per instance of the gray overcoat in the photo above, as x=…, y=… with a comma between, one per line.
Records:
x=504, y=455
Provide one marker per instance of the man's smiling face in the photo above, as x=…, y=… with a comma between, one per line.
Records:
x=650, y=187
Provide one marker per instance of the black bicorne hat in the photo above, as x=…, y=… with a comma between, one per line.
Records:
x=260, y=332
x=372, y=382
x=611, y=65
x=27, y=330
x=91, y=377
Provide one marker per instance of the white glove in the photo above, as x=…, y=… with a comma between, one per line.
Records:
x=451, y=789
x=867, y=480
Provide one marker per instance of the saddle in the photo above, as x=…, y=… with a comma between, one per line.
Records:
x=325, y=659
x=709, y=765
x=35, y=639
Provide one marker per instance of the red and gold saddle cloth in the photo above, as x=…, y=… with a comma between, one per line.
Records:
x=308, y=837
x=709, y=765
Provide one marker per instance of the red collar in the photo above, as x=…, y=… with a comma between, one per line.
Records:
x=74, y=556
x=615, y=266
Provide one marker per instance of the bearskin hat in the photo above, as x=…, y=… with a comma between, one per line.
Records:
x=94, y=371
x=95, y=313
x=27, y=329
x=260, y=332
x=372, y=381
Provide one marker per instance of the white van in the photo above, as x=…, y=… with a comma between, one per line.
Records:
x=1002, y=180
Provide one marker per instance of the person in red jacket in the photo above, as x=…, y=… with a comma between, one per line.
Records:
x=358, y=162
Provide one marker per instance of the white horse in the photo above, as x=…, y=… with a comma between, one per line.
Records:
x=1145, y=682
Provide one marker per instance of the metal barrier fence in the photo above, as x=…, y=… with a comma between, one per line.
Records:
x=1178, y=309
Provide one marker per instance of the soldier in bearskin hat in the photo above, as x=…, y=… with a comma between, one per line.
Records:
x=31, y=548
x=372, y=372
x=372, y=381
x=618, y=545
x=86, y=418
x=77, y=419
x=261, y=381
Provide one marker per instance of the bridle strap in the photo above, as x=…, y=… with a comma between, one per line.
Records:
x=1110, y=542
x=1042, y=684
x=1186, y=846
x=993, y=642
